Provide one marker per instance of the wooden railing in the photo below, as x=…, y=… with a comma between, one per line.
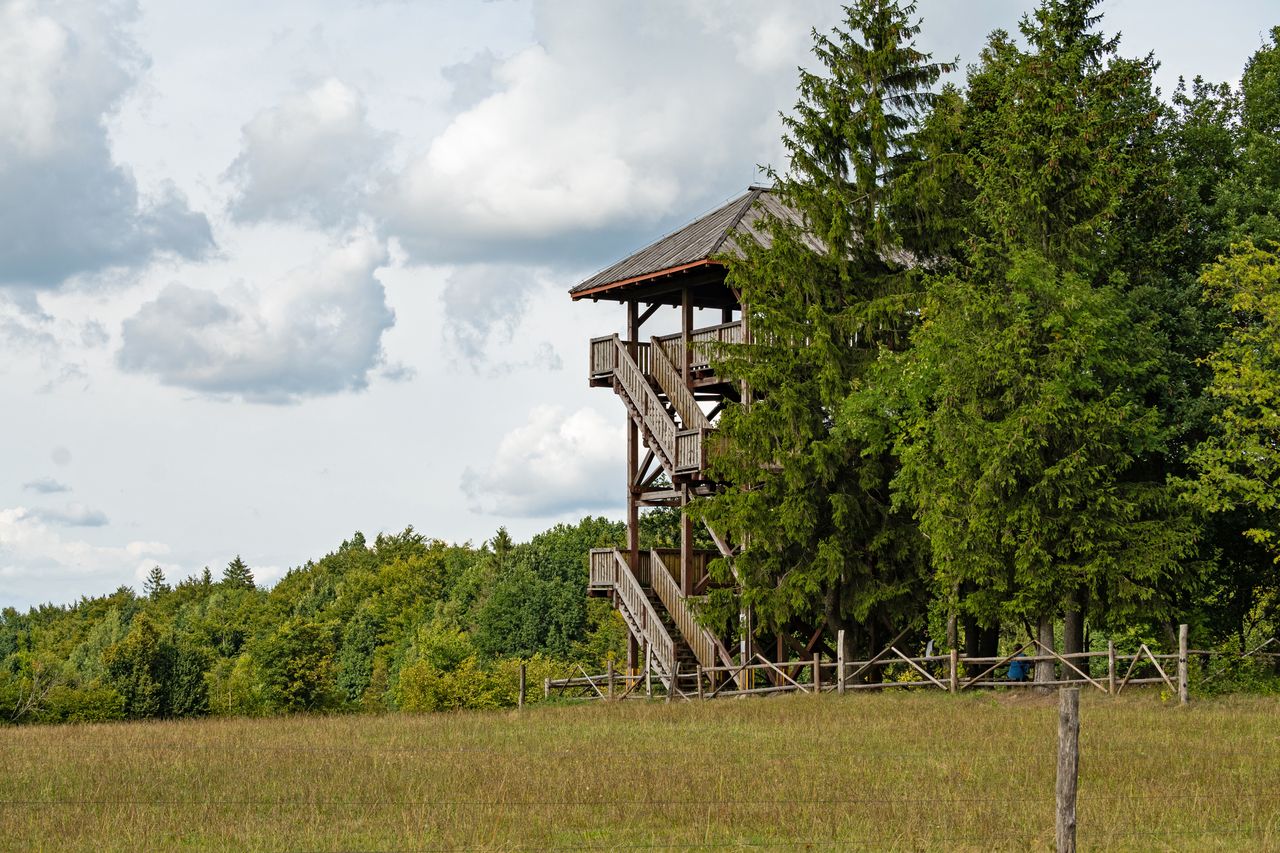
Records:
x=667, y=586
x=689, y=450
x=659, y=423
x=636, y=609
x=601, y=569
x=672, y=384
x=604, y=355
x=699, y=340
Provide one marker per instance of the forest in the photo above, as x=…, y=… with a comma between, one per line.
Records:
x=402, y=622
x=1026, y=384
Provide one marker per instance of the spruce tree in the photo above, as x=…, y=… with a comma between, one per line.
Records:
x=155, y=585
x=808, y=501
x=237, y=575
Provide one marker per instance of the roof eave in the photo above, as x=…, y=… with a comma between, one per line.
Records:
x=595, y=292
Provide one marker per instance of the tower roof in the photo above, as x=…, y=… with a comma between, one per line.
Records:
x=696, y=245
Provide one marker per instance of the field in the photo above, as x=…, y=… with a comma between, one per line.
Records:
x=904, y=771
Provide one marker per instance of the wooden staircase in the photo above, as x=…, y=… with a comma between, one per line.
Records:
x=650, y=379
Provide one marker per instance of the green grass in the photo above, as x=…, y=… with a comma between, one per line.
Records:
x=897, y=771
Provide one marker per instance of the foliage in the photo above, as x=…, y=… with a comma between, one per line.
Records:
x=369, y=627
x=1239, y=464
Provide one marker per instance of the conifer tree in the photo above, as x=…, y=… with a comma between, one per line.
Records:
x=1029, y=451
x=237, y=575
x=809, y=503
x=155, y=585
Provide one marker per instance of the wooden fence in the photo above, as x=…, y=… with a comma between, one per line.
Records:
x=1109, y=672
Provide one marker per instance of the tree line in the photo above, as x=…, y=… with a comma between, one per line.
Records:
x=404, y=622
x=1019, y=374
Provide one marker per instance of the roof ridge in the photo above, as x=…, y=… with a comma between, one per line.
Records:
x=753, y=193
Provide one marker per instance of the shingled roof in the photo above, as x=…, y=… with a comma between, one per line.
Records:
x=696, y=244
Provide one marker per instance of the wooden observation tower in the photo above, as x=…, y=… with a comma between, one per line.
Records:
x=672, y=398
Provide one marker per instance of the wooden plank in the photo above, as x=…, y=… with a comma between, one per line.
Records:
x=1064, y=660
x=920, y=669
x=973, y=681
x=520, y=692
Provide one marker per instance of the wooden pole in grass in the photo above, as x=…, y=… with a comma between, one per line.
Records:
x=699, y=682
x=840, y=661
x=1068, y=767
x=817, y=676
x=1111, y=668
x=1183, y=691
x=520, y=699
x=954, y=681
x=546, y=688
x=609, y=674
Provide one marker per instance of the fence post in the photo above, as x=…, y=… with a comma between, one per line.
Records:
x=840, y=661
x=648, y=671
x=546, y=688
x=955, y=671
x=609, y=673
x=699, y=682
x=1111, y=668
x=520, y=699
x=1068, y=767
x=817, y=676
x=1183, y=691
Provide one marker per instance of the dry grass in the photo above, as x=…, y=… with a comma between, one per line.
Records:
x=906, y=771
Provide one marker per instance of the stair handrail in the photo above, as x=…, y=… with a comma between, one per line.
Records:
x=700, y=640
x=655, y=416
x=632, y=596
x=672, y=384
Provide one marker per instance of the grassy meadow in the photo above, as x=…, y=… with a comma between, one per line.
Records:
x=898, y=771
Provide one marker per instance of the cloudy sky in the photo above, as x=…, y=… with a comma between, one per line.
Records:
x=271, y=273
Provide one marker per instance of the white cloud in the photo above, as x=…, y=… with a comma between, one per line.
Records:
x=316, y=331
x=34, y=556
x=621, y=116
x=552, y=465
x=310, y=157
x=66, y=206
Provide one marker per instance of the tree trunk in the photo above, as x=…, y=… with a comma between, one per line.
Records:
x=1044, y=668
x=1073, y=631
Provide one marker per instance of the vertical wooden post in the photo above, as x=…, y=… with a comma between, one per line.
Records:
x=1111, y=667
x=687, y=581
x=520, y=697
x=1068, y=767
x=954, y=680
x=686, y=332
x=609, y=672
x=1183, y=675
x=633, y=448
x=546, y=688
x=840, y=662
x=699, y=682
x=817, y=675
x=648, y=670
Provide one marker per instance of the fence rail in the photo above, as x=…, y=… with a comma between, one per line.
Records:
x=954, y=673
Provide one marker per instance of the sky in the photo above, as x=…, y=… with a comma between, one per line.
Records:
x=272, y=273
